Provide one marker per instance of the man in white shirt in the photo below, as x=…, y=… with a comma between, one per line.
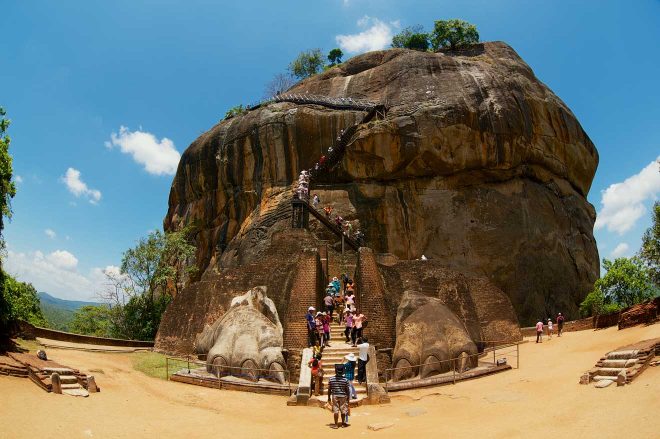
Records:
x=363, y=358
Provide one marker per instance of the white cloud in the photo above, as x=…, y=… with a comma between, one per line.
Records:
x=376, y=35
x=620, y=250
x=18, y=179
x=158, y=157
x=623, y=203
x=50, y=233
x=56, y=273
x=78, y=187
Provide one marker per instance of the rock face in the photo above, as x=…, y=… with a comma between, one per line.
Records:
x=476, y=164
x=430, y=335
x=247, y=340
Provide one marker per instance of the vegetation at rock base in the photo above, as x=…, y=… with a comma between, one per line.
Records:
x=334, y=56
x=308, y=63
x=650, y=251
x=153, y=364
x=626, y=283
x=412, y=37
x=453, y=34
x=140, y=292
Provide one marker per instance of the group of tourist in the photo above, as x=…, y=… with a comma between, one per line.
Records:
x=302, y=190
x=549, y=327
x=345, y=226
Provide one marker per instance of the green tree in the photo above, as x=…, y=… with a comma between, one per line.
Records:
x=650, y=251
x=156, y=267
x=22, y=302
x=93, y=320
x=412, y=37
x=453, y=34
x=7, y=186
x=335, y=56
x=235, y=111
x=308, y=63
x=626, y=283
x=596, y=304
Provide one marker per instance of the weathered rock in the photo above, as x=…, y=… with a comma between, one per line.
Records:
x=380, y=425
x=477, y=165
x=56, y=383
x=91, y=384
x=621, y=379
x=430, y=335
x=585, y=378
x=247, y=340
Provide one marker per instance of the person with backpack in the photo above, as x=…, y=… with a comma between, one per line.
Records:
x=317, y=373
x=560, y=324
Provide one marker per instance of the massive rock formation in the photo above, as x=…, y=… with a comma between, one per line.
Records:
x=477, y=165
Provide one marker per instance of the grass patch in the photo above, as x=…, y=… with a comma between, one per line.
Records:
x=31, y=346
x=153, y=364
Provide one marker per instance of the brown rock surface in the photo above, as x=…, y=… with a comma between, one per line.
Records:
x=477, y=165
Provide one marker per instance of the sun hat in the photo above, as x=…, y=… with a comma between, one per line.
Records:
x=311, y=308
x=330, y=284
x=318, y=313
x=350, y=357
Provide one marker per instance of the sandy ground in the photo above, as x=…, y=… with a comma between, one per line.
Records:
x=541, y=398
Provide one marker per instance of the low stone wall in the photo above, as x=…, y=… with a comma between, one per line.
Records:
x=30, y=331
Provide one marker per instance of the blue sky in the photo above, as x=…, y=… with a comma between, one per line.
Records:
x=103, y=95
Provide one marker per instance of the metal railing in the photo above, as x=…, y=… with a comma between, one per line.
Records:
x=497, y=353
x=252, y=376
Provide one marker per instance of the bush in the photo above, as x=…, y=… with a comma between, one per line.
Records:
x=235, y=111
x=412, y=38
x=308, y=63
x=453, y=34
x=20, y=302
x=93, y=320
x=335, y=56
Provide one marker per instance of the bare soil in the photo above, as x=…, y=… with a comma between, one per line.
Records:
x=543, y=397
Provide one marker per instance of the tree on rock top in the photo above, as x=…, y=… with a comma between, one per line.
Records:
x=412, y=37
x=308, y=63
x=453, y=34
x=335, y=56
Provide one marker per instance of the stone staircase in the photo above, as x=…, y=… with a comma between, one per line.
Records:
x=335, y=354
x=623, y=365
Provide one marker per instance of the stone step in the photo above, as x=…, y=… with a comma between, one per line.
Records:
x=610, y=371
x=619, y=363
x=70, y=386
x=603, y=377
x=68, y=379
x=621, y=355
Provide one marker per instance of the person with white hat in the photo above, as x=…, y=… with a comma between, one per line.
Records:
x=349, y=372
x=311, y=327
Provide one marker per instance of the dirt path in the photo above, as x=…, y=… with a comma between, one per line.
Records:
x=541, y=398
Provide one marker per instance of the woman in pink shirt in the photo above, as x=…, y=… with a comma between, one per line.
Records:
x=358, y=321
x=348, y=319
x=539, y=331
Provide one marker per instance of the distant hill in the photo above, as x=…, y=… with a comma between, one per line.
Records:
x=59, y=312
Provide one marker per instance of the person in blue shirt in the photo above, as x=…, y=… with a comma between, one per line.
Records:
x=349, y=372
x=311, y=327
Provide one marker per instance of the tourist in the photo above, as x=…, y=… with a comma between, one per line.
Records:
x=349, y=228
x=317, y=348
x=330, y=289
x=348, y=319
x=350, y=299
x=350, y=286
x=349, y=372
x=363, y=359
x=339, y=306
x=336, y=285
x=319, y=328
x=539, y=331
x=329, y=303
x=338, y=391
x=317, y=373
x=326, y=328
x=359, y=321
x=344, y=279
x=315, y=201
x=311, y=326
x=328, y=211
x=560, y=324
x=549, y=329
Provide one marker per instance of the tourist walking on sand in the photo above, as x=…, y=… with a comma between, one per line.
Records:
x=349, y=372
x=317, y=373
x=363, y=359
x=539, y=331
x=560, y=324
x=311, y=326
x=549, y=329
x=338, y=391
x=348, y=319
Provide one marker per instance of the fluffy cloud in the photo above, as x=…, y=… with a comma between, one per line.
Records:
x=623, y=203
x=18, y=179
x=78, y=187
x=157, y=157
x=56, y=273
x=620, y=250
x=376, y=35
x=50, y=233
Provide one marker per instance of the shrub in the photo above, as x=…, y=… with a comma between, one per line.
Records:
x=453, y=34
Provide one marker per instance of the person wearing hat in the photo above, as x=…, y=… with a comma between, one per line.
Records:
x=560, y=324
x=311, y=327
x=338, y=391
x=330, y=290
x=549, y=328
x=349, y=372
x=336, y=285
